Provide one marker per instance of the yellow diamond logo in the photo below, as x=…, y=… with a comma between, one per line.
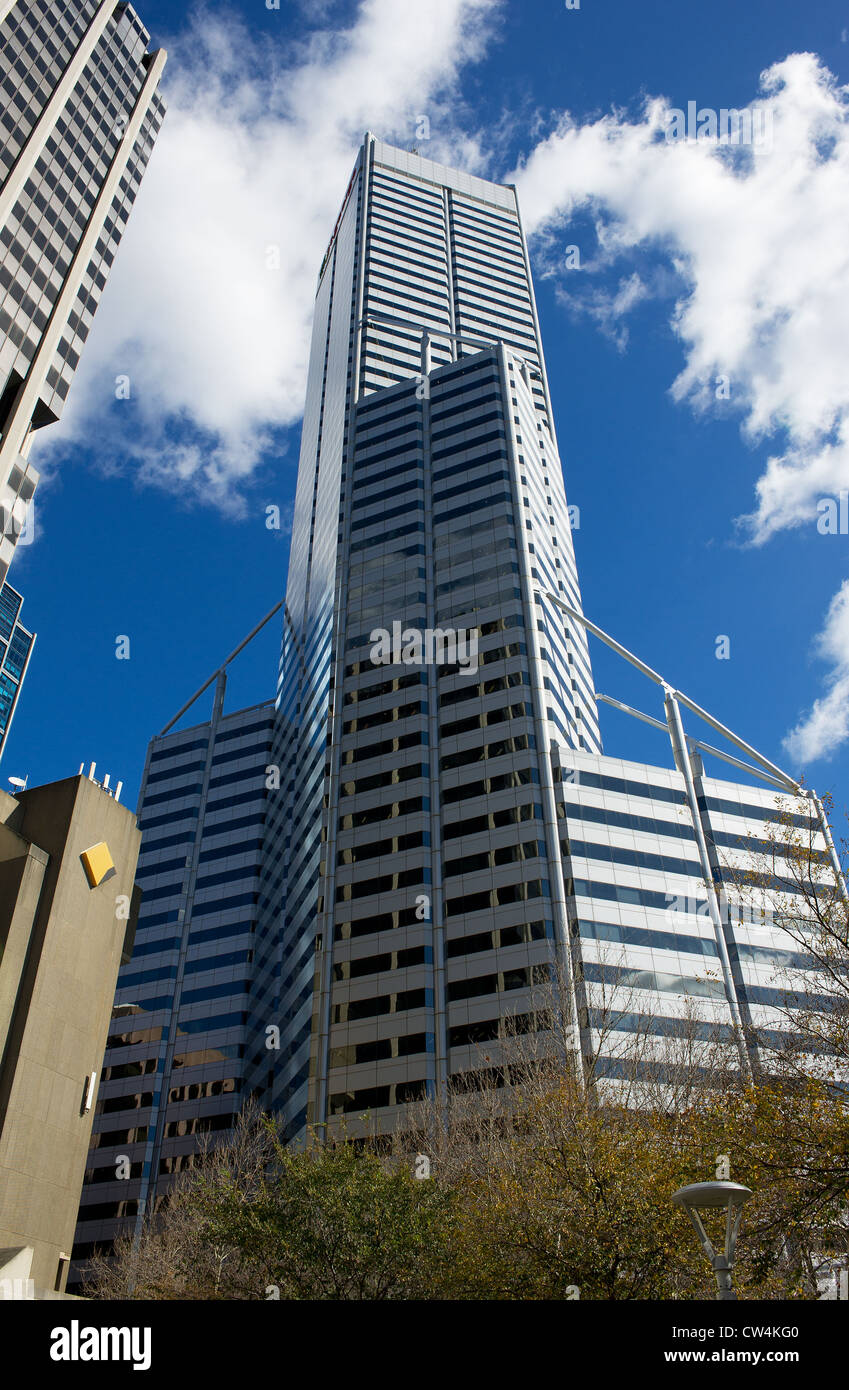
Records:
x=98, y=864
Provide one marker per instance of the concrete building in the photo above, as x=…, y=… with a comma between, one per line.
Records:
x=68, y=908
x=80, y=113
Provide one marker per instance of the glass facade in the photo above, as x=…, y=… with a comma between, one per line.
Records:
x=639, y=919
x=16, y=644
x=80, y=114
x=433, y=856
x=349, y=890
x=174, y=1067
x=430, y=494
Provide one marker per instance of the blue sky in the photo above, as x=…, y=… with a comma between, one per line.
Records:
x=151, y=518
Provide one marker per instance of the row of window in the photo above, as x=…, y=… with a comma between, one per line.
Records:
x=380, y=1050
x=377, y=965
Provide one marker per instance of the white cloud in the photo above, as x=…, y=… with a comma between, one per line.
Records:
x=608, y=308
x=257, y=148
x=757, y=238
x=827, y=724
x=255, y=152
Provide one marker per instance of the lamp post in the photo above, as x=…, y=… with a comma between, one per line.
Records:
x=730, y=1195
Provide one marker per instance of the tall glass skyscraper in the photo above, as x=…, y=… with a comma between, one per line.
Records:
x=429, y=493
x=80, y=112
x=421, y=879
x=429, y=863
x=424, y=836
x=16, y=644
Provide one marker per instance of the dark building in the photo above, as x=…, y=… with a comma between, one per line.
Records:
x=16, y=644
x=175, y=1056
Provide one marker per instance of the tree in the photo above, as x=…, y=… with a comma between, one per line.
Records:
x=791, y=883
x=258, y=1220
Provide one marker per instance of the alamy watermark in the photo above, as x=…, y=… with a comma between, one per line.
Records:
x=728, y=126
x=430, y=646
x=75, y=1342
x=743, y=914
x=833, y=515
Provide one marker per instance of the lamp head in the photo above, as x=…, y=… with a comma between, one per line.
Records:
x=712, y=1194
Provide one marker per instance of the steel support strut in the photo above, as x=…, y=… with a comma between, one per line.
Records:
x=682, y=762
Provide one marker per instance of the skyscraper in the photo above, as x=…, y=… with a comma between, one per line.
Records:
x=81, y=111
x=412, y=506
x=174, y=1064
x=16, y=644
x=424, y=836
x=429, y=861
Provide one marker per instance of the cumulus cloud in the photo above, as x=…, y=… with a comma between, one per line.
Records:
x=749, y=241
x=827, y=724
x=248, y=175
x=756, y=237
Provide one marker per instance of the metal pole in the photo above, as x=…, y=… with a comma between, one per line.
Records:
x=604, y=637
x=693, y=742
x=832, y=852
x=215, y=674
x=775, y=774
x=682, y=762
x=637, y=714
x=789, y=783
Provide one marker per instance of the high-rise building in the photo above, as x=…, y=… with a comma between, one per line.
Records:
x=429, y=493
x=67, y=914
x=174, y=1062
x=423, y=837
x=16, y=644
x=80, y=113
x=429, y=861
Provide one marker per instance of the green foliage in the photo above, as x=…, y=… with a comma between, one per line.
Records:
x=550, y=1192
x=333, y=1222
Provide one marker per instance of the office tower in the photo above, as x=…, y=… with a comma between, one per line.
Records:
x=81, y=111
x=424, y=832
x=428, y=869
x=16, y=644
x=174, y=1062
x=412, y=505
x=67, y=915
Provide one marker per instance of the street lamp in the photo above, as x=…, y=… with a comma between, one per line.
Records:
x=730, y=1195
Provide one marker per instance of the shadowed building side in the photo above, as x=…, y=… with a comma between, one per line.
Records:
x=68, y=908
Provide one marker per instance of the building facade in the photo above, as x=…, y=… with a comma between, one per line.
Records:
x=16, y=644
x=67, y=916
x=348, y=892
x=80, y=113
x=175, y=1056
x=429, y=492
x=650, y=978
x=427, y=870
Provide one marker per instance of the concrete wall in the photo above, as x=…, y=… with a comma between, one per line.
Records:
x=62, y=943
